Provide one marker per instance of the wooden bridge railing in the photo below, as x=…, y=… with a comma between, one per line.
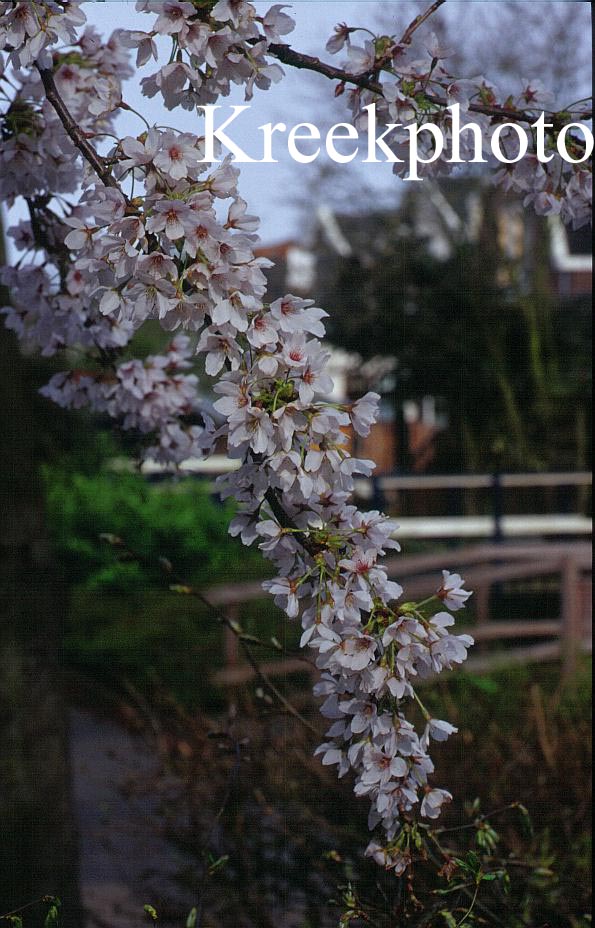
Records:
x=484, y=567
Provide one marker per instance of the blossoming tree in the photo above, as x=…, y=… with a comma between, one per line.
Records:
x=123, y=230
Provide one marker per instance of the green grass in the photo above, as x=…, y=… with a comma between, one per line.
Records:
x=156, y=638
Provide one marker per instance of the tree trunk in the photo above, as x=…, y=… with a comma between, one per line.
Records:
x=37, y=846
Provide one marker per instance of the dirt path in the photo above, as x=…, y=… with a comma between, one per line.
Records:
x=126, y=858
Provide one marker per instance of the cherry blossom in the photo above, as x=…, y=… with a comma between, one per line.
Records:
x=451, y=592
x=412, y=84
x=140, y=229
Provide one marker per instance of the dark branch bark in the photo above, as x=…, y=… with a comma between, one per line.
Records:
x=74, y=131
x=285, y=521
x=287, y=55
x=419, y=21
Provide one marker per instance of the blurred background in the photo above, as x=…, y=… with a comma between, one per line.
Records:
x=142, y=762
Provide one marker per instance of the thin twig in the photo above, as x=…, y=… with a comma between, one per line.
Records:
x=471, y=907
x=25, y=908
x=419, y=21
x=289, y=56
x=177, y=584
x=486, y=816
x=252, y=660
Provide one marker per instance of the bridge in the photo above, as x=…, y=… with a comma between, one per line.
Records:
x=485, y=567
x=534, y=548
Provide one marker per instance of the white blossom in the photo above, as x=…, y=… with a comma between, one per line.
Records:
x=176, y=244
x=451, y=592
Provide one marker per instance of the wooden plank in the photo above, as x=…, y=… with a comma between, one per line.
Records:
x=567, y=479
x=438, y=482
x=484, y=481
x=221, y=464
x=486, y=576
x=460, y=559
x=243, y=674
x=482, y=603
x=235, y=593
x=522, y=570
x=534, y=654
x=586, y=606
x=524, y=526
x=500, y=631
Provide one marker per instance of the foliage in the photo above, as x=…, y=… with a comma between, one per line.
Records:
x=477, y=329
x=525, y=846
x=177, y=520
x=534, y=780
x=48, y=908
x=123, y=622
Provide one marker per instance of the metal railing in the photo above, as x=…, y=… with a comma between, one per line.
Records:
x=377, y=490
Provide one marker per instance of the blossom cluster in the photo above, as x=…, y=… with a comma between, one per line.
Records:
x=154, y=397
x=29, y=30
x=37, y=156
x=370, y=649
x=216, y=44
x=415, y=86
x=170, y=239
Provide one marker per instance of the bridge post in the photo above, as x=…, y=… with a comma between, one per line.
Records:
x=498, y=508
x=571, y=614
x=378, y=497
x=482, y=609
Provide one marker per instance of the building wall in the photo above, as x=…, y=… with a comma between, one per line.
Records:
x=380, y=446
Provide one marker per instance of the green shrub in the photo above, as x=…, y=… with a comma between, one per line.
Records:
x=123, y=622
x=175, y=520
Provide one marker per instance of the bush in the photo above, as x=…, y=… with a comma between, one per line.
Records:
x=176, y=520
x=123, y=623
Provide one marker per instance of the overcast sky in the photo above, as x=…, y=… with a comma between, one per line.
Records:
x=273, y=191
x=282, y=194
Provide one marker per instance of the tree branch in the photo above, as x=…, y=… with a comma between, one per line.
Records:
x=260, y=673
x=419, y=21
x=41, y=218
x=176, y=584
x=73, y=130
x=285, y=521
x=288, y=56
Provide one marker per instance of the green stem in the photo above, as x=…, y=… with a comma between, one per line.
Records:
x=426, y=714
x=472, y=906
x=428, y=601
